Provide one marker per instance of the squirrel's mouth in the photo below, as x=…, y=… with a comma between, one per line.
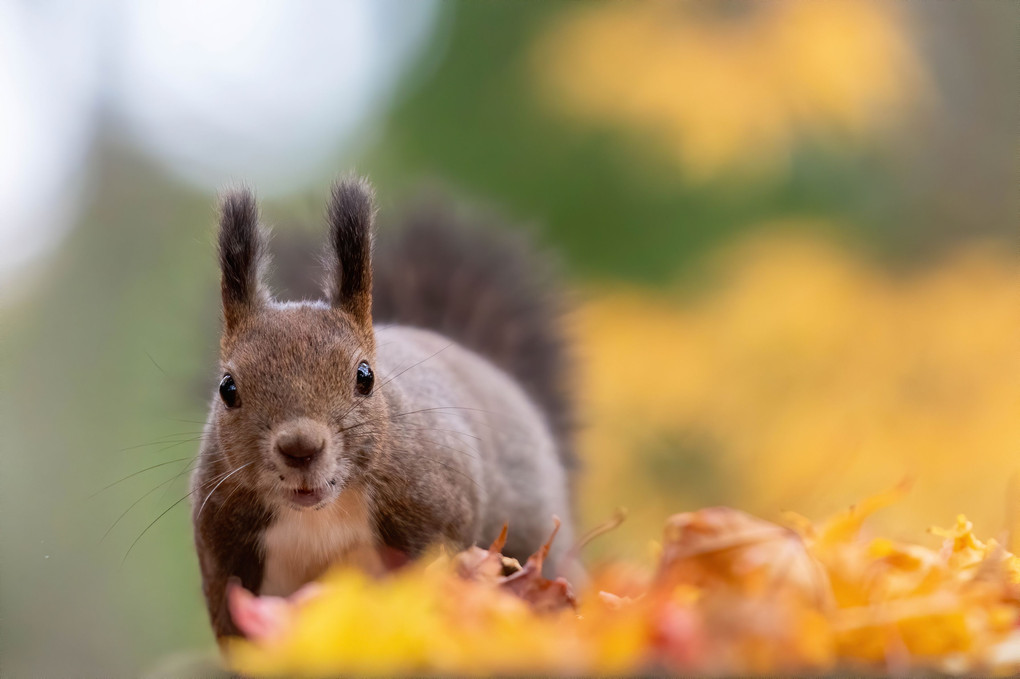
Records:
x=307, y=497
x=307, y=493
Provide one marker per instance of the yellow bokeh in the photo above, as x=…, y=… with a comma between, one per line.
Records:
x=429, y=620
x=732, y=85
x=802, y=380
x=732, y=594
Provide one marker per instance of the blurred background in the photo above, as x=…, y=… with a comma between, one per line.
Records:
x=789, y=229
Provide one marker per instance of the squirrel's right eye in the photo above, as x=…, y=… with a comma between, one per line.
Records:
x=228, y=392
x=365, y=379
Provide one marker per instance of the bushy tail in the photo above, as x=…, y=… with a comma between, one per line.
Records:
x=485, y=287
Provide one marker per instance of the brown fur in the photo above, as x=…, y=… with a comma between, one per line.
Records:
x=446, y=448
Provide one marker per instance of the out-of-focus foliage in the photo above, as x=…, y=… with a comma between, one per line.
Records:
x=722, y=85
x=730, y=594
x=802, y=379
x=928, y=161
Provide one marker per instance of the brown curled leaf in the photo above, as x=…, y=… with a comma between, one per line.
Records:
x=543, y=594
x=485, y=565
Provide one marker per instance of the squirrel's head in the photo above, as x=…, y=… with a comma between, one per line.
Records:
x=296, y=413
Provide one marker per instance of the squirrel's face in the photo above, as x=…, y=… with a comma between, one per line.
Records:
x=297, y=403
x=297, y=417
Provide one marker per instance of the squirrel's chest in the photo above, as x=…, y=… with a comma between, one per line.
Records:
x=301, y=545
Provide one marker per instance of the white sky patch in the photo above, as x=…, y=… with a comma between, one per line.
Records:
x=48, y=98
x=263, y=91
x=266, y=91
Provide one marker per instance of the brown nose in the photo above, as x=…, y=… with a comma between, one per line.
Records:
x=299, y=448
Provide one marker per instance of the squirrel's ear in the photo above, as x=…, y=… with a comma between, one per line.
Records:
x=349, y=259
x=243, y=256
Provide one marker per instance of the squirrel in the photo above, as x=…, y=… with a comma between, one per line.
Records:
x=425, y=401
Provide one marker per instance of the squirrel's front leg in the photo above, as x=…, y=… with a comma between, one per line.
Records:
x=216, y=575
x=228, y=539
x=417, y=508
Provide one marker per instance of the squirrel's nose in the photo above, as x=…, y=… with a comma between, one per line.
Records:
x=298, y=449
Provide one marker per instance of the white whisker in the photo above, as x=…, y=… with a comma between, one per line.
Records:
x=200, y=509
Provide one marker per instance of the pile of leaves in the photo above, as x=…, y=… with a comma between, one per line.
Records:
x=730, y=593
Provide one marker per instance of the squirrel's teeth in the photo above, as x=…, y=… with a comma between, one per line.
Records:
x=307, y=497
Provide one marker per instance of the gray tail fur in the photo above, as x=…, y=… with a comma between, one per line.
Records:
x=489, y=290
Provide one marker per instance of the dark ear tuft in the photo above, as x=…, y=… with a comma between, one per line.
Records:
x=243, y=256
x=349, y=260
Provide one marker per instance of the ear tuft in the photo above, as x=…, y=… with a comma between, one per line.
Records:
x=243, y=255
x=350, y=213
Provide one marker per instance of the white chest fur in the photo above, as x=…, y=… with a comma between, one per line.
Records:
x=300, y=545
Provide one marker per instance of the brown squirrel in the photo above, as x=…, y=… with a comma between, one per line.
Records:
x=333, y=439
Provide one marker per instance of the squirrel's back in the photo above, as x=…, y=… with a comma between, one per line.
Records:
x=482, y=285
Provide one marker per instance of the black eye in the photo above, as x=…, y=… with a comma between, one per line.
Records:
x=365, y=379
x=228, y=392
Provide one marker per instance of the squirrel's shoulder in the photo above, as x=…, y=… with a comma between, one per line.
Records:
x=424, y=363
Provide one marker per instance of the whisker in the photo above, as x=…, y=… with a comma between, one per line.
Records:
x=181, y=443
x=132, y=506
x=169, y=438
x=452, y=469
x=359, y=403
x=150, y=492
x=184, y=470
x=202, y=508
x=468, y=408
x=485, y=424
x=140, y=471
x=229, y=495
x=142, y=445
x=415, y=365
x=154, y=362
x=164, y=512
x=473, y=455
x=404, y=428
x=448, y=431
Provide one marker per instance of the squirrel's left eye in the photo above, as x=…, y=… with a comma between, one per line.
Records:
x=365, y=379
x=228, y=392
